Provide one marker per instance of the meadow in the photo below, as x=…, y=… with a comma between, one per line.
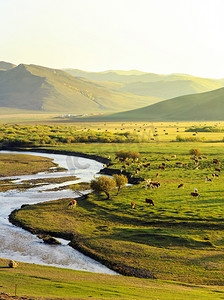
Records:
x=179, y=239
x=45, y=283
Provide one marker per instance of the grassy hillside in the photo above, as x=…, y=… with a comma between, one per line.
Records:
x=204, y=106
x=38, y=88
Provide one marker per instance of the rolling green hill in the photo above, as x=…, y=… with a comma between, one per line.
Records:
x=38, y=88
x=207, y=106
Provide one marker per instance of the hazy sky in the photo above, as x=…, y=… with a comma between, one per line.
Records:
x=160, y=36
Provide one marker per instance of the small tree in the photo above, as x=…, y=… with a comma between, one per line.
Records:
x=103, y=184
x=196, y=152
x=120, y=180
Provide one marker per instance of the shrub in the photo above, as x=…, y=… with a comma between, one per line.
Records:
x=196, y=152
x=128, y=154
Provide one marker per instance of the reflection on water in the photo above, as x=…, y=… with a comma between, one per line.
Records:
x=20, y=245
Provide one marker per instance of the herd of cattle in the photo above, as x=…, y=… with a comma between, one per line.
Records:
x=156, y=184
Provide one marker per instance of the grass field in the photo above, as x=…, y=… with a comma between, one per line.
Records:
x=180, y=239
x=41, y=282
x=166, y=131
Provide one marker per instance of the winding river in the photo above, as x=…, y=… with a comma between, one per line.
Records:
x=20, y=245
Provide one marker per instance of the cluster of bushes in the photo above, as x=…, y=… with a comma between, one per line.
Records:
x=205, y=129
x=189, y=139
x=25, y=136
x=123, y=154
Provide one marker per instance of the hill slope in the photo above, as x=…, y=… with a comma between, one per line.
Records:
x=38, y=88
x=6, y=66
x=207, y=106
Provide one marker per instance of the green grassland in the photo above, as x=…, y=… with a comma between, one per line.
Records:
x=181, y=238
x=42, y=282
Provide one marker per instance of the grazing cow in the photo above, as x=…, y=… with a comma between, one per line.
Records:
x=163, y=164
x=208, y=179
x=181, y=185
x=195, y=195
x=217, y=169
x=157, y=174
x=154, y=184
x=72, y=204
x=161, y=167
x=173, y=156
x=132, y=204
x=215, y=161
x=149, y=201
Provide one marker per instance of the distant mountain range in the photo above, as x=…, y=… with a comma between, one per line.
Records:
x=150, y=84
x=37, y=88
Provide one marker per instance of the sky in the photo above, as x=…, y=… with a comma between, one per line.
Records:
x=158, y=36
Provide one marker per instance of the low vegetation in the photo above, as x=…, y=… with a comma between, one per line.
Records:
x=180, y=138
x=28, y=136
x=205, y=129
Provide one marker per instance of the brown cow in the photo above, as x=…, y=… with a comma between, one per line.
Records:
x=208, y=179
x=72, y=204
x=132, y=204
x=162, y=167
x=215, y=161
x=217, y=169
x=181, y=185
x=195, y=195
x=149, y=201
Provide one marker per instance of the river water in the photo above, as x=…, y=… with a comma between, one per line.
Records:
x=19, y=244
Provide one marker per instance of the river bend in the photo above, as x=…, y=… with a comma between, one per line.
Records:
x=19, y=244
